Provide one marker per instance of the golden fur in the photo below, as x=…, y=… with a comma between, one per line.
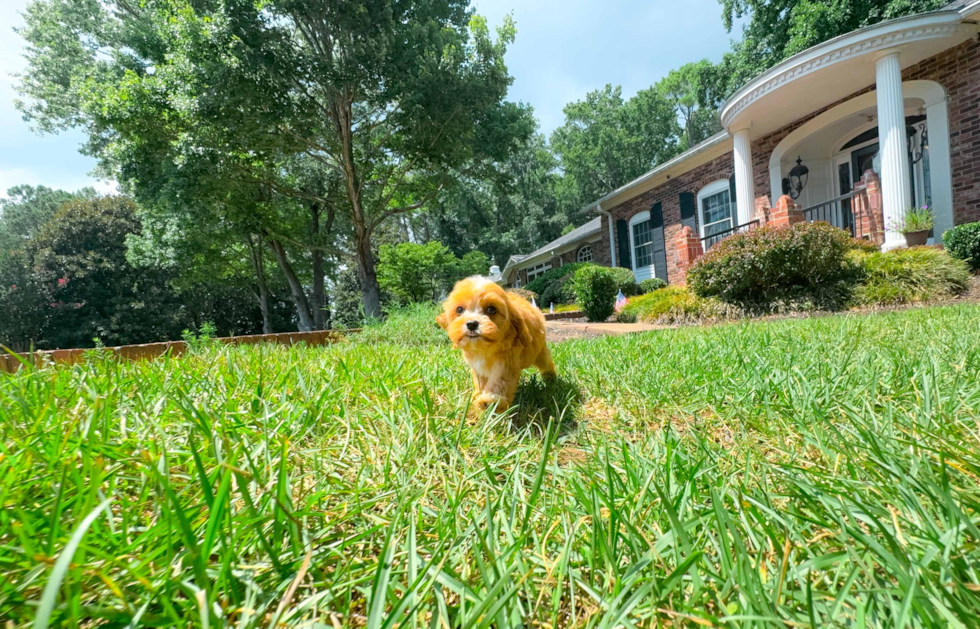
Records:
x=500, y=335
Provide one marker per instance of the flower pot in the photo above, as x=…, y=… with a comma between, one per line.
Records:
x=917, y=239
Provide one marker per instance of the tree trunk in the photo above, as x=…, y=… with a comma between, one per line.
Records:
x=370, y=291
x=262, y=292
x=319, y=299
x=295, y=287
x=366, y=273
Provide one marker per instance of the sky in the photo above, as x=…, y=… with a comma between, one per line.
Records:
x=563, y=50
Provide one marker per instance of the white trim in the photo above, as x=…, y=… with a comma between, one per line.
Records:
x=538, y=269
x=882, y=36
x=713, y=188
x=578, y=254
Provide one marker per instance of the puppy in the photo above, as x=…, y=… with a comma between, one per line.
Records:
x=500, y=334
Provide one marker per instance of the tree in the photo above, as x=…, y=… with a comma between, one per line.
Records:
x=22, y=214
x=695, y=92
x=88, y=287
x=394, y=96
x=606, y=141
x=777, y=29
x=415, y=273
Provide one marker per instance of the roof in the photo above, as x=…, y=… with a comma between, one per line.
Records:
x=957, y=5
x=579, y=233
x=575, y=235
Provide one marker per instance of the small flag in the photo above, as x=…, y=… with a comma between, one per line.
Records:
x=534, y=303
x=621, y=301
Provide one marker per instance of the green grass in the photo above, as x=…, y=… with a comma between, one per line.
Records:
x=801, y=473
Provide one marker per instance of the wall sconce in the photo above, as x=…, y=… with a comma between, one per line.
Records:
x=917, y=146
x=797, y=179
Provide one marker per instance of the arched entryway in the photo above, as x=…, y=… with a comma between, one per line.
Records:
x=841, y=143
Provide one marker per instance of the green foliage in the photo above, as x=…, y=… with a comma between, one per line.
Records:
x=607, y=141
x=415, y=273
x=650, y=285
x=595, y=290
x=625, y=281
x=543, y=281
x=225, y=471
x=917, y=274
x=625, y=317
x=963, y=242
x=694, y=90
x=472, y=263
x=770, y=264
x=677, y=305
x=777, y=29
x=915, y=219
x=558, y=293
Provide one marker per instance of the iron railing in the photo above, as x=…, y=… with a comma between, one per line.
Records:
x=836, y=211
x=710, y=241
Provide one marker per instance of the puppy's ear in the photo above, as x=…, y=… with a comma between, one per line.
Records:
x=517, y=321
x=442, y=320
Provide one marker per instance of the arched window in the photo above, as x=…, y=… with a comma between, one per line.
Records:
x=715, y=208
x=585, y=254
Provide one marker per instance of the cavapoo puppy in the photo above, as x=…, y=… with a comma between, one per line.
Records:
x=500, y=334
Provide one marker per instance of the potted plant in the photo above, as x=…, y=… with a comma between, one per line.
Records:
x=915, y=225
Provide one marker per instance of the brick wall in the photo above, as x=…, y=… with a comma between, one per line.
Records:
x=958, y=71
x=668, y=195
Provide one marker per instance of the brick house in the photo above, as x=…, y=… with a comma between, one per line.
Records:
x=852, y=131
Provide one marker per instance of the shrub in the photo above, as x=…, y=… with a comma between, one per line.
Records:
x=541, y=282
x=910, y=275
x=559, y=292
x=915, y=219
x=771, y=264
x=676, y=304
x=963, y=242
x=523, y=292
x=652, y=284
x=625, y=281
x=595, y=291
x=413, y=325
x=625, y=317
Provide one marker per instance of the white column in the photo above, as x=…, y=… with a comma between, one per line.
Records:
x=744, y=180
x=941, y=172
x=893, y=146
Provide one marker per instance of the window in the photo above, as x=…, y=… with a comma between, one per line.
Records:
x=642, y=243
x=534, y=271
x=585, y=254
x=715, y=207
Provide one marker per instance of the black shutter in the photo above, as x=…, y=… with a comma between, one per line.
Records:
x=623, y=235
x=689, y=211
x=659, y=242
x=732, y=199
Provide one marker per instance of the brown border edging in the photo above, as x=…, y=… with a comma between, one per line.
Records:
x=149, y=351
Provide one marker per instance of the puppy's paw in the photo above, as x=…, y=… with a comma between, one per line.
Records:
x=483, y=401
x=549, y=376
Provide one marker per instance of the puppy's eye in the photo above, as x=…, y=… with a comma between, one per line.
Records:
x=460, y=310
x=491, y=310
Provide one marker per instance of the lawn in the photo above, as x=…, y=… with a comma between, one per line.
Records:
x=799, y=473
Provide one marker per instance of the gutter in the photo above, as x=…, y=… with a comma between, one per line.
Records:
x=612, y=236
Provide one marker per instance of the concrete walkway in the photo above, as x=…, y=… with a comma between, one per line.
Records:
x=608, y=329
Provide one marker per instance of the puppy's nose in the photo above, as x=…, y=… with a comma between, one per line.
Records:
x=473, y=325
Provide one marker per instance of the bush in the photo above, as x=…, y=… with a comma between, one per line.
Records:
x=558, y=293
x=523, y=292
x=911, y=275
x=595, y=291
x=652, y=284
x=625, y=317
x=772, y=264
x=625, y=281
x=963, y=242
x=543, y=281
x=413, y=325
x=675, y=304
